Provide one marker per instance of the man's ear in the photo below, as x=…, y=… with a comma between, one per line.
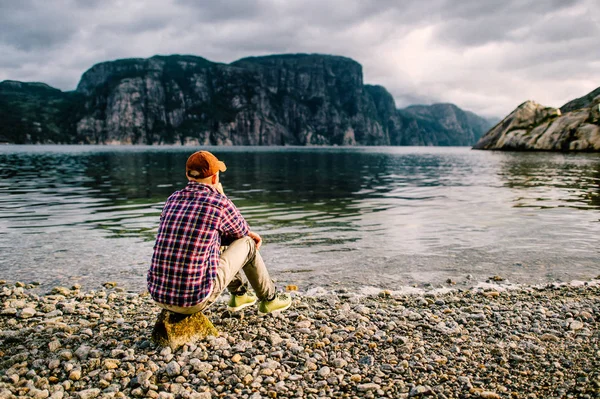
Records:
x=213, y=179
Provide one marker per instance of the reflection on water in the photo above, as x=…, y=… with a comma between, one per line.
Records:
x=554, y=180
x=378, y=216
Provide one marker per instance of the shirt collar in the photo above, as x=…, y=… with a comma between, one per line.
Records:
x=195, y=186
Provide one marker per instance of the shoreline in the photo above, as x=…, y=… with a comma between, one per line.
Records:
x=522, y=342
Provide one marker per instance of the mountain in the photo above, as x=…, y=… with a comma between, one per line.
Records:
x=290, y=99
x=37, y=113
x=446, y=124
x=534, y=127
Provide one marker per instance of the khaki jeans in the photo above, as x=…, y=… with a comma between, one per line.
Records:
x=240, y=255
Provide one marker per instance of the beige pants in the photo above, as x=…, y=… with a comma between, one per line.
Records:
x=241, y=254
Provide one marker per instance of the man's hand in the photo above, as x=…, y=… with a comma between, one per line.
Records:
x=257, y=239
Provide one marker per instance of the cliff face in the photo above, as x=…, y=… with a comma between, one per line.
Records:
x=574, y=127
x=298, y=99
x=275, y=100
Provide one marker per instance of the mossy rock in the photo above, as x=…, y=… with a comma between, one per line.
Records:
x=175, y=330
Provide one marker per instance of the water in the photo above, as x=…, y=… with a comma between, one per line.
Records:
x=380, y=217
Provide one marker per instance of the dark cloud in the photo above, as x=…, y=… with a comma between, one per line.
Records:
x=478, y=23
x=486, y=56
x=34, y=25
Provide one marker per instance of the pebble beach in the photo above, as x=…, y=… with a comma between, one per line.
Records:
x=525, y=342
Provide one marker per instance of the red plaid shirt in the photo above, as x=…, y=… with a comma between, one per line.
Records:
x=186, y=254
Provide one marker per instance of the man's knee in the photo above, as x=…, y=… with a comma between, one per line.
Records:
x=246, y=242
x=252, y=247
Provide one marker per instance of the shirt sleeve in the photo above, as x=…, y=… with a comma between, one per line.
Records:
x=233, y=224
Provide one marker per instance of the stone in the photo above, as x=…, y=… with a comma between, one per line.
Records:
x=324, y=372
x=366, y=360
x=236, y=358
x=26, y=313
x=420, y=390
x=111, y=364
x=175, y=330
x=303, y=324
x=200, y=366
x=61, y=291
x=54, y=345
x=83, y=352
x=368, y=387
x=109, y=284
x=489, y=395
x=275, y=339
x=549, y=337
x=39, y=393
x=173, y=369
x=576, y=325
x=242, y=370
x=88, y=393
x=75, y=375
x=491, y=294
x=291, y=288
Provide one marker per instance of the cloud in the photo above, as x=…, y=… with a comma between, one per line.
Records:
x=484, y=56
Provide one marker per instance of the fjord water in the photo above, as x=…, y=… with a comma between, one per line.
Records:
x=357, y=217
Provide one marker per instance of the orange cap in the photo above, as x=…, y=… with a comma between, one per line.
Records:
x=203, y=164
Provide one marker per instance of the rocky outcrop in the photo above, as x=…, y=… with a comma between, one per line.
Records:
x=534, y=127
x=292, y=99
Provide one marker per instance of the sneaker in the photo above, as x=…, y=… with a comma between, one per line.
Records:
x=239, y=302
x=281, y=302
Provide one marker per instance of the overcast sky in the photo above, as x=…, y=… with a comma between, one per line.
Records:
x=487, y=56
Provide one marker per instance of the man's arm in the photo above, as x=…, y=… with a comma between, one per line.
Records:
x=230, y=237
x=233, y=224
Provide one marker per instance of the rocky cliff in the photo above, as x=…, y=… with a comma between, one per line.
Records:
x=573, y=127
x=295, y=99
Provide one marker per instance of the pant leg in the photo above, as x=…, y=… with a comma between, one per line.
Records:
x=242, y=254
x=258, y=276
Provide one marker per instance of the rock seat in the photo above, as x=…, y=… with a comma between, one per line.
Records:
x=175, y=330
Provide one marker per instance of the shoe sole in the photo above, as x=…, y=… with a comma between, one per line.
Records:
x=237, y=309
x=275, y=311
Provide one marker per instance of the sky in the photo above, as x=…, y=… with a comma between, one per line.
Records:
x=486, y=56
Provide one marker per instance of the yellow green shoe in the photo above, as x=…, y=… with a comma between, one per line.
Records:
x=239, y=302
x=280, y=302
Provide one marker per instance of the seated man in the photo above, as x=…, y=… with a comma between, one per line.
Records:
x=187, y=273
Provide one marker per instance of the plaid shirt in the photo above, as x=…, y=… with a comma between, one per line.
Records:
x=186, y=254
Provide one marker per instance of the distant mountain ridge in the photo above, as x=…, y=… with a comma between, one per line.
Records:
x=289, y=99
x=533, y=127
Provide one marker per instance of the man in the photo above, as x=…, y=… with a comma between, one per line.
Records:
x=188, y=272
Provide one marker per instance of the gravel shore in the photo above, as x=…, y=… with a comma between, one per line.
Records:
x=533, y=342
